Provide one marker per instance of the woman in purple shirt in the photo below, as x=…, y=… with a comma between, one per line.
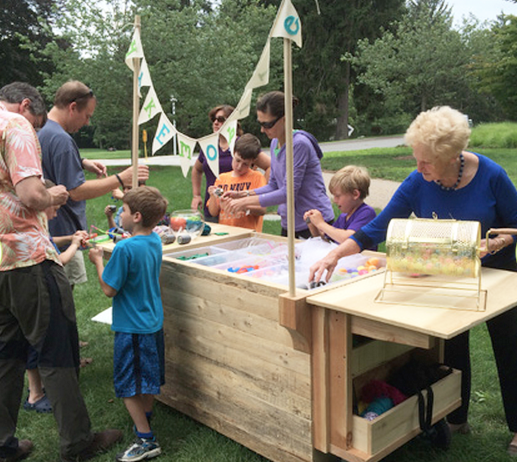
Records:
x=309, y=187
x=218, y=116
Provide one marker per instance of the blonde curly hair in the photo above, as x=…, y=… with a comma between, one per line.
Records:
x=442, y=129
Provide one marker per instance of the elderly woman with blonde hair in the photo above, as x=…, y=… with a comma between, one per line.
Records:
x=451, y=182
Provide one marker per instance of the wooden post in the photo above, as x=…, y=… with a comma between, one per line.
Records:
x=136, y=108
x=288, y=103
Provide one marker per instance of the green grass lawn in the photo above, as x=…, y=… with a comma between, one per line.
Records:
x=184, y=440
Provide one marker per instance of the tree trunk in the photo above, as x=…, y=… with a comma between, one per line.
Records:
x=343, y=99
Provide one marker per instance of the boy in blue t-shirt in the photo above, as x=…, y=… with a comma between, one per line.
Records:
x=131, y=277
x=349, y=186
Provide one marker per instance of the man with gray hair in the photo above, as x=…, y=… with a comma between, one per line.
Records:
x=36, y=303
x=24, y=99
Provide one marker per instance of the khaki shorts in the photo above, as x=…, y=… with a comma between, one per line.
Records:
x=75, y=269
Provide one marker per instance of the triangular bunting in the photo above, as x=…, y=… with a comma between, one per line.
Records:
x=135, y=50
x=287, y=23
x=150, y=108
x=229, y=131
x=186, y=146
x=260, y=76
x=164, y=132
x=144, y=78
x=243, y=108
x=210, y=146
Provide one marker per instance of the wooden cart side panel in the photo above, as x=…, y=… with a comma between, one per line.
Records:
x=212, y=413
x=221, y=289
x=239, y=360
x=231, y=366
x=232, y=316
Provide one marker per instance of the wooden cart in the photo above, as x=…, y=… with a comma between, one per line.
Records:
x=276, y=373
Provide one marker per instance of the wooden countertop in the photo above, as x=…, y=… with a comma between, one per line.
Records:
x=358, y=299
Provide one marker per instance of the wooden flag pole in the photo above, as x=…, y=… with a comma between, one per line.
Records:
x=136, y=104
x=288, y=103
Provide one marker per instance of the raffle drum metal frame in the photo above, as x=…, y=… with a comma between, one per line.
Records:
x=440, y=255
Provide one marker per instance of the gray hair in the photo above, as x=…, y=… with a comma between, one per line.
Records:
x=16, y=92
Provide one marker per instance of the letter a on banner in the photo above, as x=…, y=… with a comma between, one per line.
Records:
x=210, y=146
x=186, y=146
x=164, y=132
x=135, y=50
x=287, y=23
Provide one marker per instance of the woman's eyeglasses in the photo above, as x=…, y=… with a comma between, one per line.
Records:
x=220, y=119
x=271, y=124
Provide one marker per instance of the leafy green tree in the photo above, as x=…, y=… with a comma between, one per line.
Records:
x=323, y=81
x=419, y=65
x=201, y=54
x=495, y=67
x=23, y=22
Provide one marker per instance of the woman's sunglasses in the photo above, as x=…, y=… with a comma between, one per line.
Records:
x=220, y=119
x=271, y=124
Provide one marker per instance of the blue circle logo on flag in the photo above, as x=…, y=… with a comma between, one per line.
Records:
x=292, y=25
x=209, y=150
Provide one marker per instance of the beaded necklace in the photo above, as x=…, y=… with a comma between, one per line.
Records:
x=460, y=175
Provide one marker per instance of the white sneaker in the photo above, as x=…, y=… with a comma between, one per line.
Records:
x=141, y=449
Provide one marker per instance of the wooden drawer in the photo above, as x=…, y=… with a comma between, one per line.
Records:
x=390, y=430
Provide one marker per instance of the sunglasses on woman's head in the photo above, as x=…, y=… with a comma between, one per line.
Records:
x=271, y=124
x=220, y=119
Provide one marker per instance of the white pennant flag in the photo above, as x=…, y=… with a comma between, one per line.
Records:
x=135, y=50
x=144, y=78
x=164, y=132
x=210, y=146
x=287, y=23
x=260, y=76
x=229, y=131
x=150, y=108
x=243, y=108
x=186, y=146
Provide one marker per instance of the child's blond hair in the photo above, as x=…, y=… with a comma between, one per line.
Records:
x=350, y=178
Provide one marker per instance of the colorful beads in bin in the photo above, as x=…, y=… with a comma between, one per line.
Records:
x=371, y=265
x=243, y=269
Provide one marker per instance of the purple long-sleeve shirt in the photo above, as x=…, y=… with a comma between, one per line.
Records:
x=309, y=187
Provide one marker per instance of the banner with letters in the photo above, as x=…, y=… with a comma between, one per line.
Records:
x=287, y=25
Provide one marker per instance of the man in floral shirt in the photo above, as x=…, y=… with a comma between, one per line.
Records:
x=36, y=304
